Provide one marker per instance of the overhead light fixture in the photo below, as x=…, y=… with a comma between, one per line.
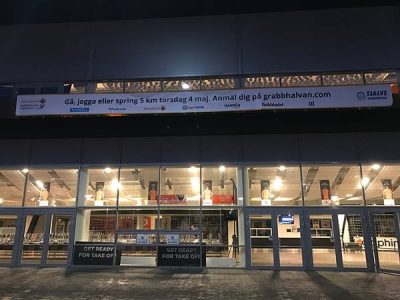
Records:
x=278, y=184
x=282, y=168
x=221, y=168
x=115, y=184
x=335, y=198
x=349, y=195
x=39, y=184
x=107, y=170
x=193, y=169
x=185, y=86
x=365, y=181
x=25, y=170
x=1, y=200
x=376, y=166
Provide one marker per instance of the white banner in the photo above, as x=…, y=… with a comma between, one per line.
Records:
x=205, y=101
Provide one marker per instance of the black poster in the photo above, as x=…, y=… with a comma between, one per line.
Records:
x=265, y=191
x=153, y=187
x=180, y=256
x=325, y=188
x=387, y=188
x=94, y=254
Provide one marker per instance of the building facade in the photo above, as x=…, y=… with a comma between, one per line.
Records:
x=283, y=181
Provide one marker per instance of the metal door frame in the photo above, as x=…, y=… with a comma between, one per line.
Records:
x=382, y=210
x=48, y=213
x=274, y=212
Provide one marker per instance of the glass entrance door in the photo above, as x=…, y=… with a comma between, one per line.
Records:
x=46, y=237
x=386, y=240
x=8, y=230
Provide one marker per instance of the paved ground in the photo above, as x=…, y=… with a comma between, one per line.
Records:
x=56, y=283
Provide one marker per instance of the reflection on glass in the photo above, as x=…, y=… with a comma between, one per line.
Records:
x=180, y=186
x=137, y=249
x=386, y=241
x=262, y=250
x=59, y=239
x=332, y=185
x=289, y=235
x=381, y=184
x=323, y=244
x=219, y=186
x=95, y=226
x=51, y=187
x=352, y=241
x=101, y=186
x=8, y=225
x=33, y=239
x=137, y=219
x=279, y=185
x=138, y=187
x=180, y=220
x=11, y=187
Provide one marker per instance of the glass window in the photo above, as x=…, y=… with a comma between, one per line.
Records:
x=109, y=87
x=138, y=186
x=32, y=247
x=12, y=184
x=95, y=225
x=261, y=238
x=8, y=225
x=99, y=187
x=220, y=186
x=26, y=91
x=6, y=90
x=143, y=86
x=181, y=85
x=301, y=80
x=48, y=90
x=381, y=77
x=220, y=227
x=289, y=238
x=51, y=187
x=261, y=81
x=218, y=83
x=343, y=79
x=180, y=219
x=332, y=185
x=59, y=239
x=279, y=185
x=180, y=186
x=75, y=88
x=137, y=219
x=381, y=182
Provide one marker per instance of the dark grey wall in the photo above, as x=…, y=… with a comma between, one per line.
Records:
x=249, y=149
x=334, y=40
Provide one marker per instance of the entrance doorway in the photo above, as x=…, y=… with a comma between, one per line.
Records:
x=46, y=237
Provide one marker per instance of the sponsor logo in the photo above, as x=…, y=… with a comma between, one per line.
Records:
x=372, y=95
x=79, y=109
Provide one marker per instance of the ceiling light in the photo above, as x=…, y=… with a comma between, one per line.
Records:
x=185, y=86
x=282, y=168
x=365, y=181
x=278, y=183
x=25, y=170
x=39, y=184
x=335, y=198
x=349, y=195
x=376, y=166
x=115, y=184
x=222, y=168
x=107, y=170
x=193, y=169
x=1, y=200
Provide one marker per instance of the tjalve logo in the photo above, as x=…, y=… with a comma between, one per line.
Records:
x=42, y=103
x=361, y=96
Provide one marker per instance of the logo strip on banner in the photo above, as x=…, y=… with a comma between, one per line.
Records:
x=206, y=101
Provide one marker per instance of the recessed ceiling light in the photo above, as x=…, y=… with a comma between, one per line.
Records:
x=365, y=181
x=376, y=166
x=185, y=86
x=25, y=170
x=282, y=168
x=107, y=170
x=221, y=168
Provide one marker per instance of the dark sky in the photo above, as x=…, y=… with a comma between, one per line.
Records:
x=50, y=11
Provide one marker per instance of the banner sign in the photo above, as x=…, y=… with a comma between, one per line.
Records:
x=265, y=192
x=182, y=256
x=206, y=101
x=387, y=192
x=94, y=254
x=325, y=188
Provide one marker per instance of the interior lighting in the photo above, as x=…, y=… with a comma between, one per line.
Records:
x=365, y=181
x=1, y=200
x=282, y=168
x=39, y=184
x=107, y=170
x=193, y=169
x=221, y=168
x=115, y=184
x=376, y=166
x=25, y=170
x=185, y=86
x=278, y=184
